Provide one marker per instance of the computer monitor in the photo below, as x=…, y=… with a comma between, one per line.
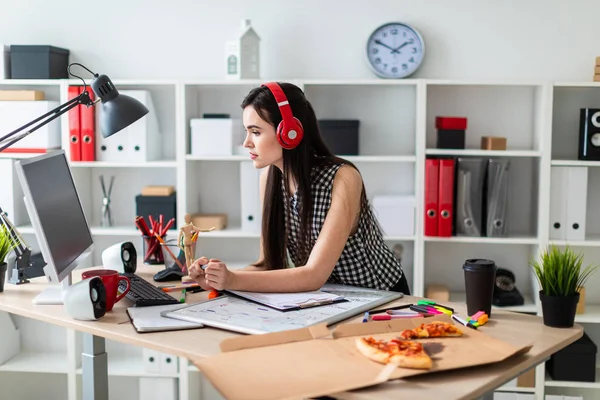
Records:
x=57, y=217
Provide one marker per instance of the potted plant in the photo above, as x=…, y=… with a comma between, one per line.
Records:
x=7, y=243
x=560, y=275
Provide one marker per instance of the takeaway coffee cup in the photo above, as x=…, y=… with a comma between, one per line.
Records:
x=480, y=277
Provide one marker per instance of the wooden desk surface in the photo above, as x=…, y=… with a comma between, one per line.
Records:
x=514, y=328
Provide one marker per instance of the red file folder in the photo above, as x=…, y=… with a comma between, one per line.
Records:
x=74, y=126
x=431, y=196
x=446, y=197
x=88, y=130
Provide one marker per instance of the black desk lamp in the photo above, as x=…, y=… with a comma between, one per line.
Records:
x=118, y=112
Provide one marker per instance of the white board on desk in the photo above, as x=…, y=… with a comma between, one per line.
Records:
x=244, y=316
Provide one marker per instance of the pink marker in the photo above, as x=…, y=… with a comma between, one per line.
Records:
x=387, y=317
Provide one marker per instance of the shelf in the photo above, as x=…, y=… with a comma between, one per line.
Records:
x=591, y=241
x=371, y=159
x=31, y=82
x=591, y=315
x=528, y=307
x=50, y=363
x=355, y=82
x=122, y=164
x=490, y=82
x=484, y=240
x=483, y=153
x=584, y=84
x=398, y=238
x=574, y=384
x=232, y=232
x=237, y=157
x=575, y=163
x=21, y=155
x=96, y=230
x=130, y=366
x=515, y=389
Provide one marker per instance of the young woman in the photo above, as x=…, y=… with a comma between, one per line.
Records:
x=315, y=209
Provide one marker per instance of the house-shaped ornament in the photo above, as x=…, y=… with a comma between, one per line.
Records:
x=242, y=55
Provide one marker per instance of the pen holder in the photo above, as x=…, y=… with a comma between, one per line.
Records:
x=152, y=250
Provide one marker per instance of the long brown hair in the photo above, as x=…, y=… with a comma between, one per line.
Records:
x=297, y=164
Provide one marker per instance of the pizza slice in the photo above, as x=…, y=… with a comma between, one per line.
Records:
x=431, y=330
x=402, y=353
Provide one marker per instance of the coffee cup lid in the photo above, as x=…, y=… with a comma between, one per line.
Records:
x=479, y=264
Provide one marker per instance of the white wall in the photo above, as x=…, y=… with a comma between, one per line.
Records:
x=526, y=39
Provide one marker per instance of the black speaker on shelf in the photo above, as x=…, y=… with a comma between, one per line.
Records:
x=589, y=134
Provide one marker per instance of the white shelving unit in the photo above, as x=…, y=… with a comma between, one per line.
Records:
x=397, y=133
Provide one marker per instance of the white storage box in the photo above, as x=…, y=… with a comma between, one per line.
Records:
x=14, y=114
x=215, y=136
x=4, y=61
x=396, y=214
x=139, y=142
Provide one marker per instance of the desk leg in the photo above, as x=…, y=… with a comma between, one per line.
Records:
x=94, y=365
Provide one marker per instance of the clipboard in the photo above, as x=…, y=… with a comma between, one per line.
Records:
x=150, y=319
x=290, y=301
x=238, y=314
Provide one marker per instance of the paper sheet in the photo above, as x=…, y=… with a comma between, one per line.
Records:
x=283, y=301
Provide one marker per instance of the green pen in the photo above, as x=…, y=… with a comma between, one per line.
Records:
x=433, y=303
x=182, y=298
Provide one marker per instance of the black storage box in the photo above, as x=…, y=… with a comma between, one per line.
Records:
x=38, y=62
x=450, y=139
x=156, y=205
x=576, y=362
x=340, y=135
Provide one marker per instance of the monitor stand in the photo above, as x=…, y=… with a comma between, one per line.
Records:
x=53, y=295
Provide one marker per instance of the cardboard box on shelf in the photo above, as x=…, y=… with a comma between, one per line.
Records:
x=438, y=292
x=293, y=363
x=207, y=221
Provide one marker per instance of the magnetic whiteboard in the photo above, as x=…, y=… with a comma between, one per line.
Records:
x=241, y=315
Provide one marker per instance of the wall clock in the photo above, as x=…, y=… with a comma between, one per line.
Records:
x=395, y=50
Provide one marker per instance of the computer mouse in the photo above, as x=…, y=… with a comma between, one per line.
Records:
x=173, y=273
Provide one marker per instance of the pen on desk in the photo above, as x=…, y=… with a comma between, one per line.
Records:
x=385, y=310
x=387, y=317
x=462, y=321
x=433, y=304
x=182, y=298
x=176, y=288
x=366, y=317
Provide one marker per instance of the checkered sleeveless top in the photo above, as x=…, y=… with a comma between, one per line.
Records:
x=366, y=260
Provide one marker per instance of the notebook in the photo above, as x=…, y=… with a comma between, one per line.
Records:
x=290, y=301
x=148, y=319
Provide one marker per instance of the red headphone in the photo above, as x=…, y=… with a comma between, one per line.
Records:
x=289, y=130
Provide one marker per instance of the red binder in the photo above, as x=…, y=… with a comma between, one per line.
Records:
x=446, y=197
x=88, y=130
x=74, y=126
x=431, y=196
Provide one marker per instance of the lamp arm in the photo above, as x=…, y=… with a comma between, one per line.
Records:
x=8, y=140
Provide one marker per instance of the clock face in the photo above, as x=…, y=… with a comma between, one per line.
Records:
x=395, y=50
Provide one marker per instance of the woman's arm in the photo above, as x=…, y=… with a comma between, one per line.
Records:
x=339, y=224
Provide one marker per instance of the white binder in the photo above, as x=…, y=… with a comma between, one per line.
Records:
x=576, y=194
x=11, y=193
x=250, y=197
x=139, y=142
x=558, y=203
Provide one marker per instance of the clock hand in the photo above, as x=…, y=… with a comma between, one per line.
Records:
x=377, y=41
x=399, y=47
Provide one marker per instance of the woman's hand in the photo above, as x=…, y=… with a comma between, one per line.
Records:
x=217, y=275
x=197, y=273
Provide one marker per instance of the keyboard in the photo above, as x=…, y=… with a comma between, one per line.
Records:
x=143, y=293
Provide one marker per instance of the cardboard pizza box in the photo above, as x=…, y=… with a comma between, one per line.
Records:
x=315, y=361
